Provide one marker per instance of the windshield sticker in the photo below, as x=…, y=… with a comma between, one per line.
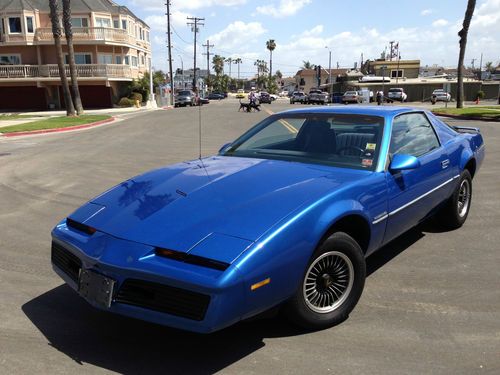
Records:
x=366, y=162
x=371, y=146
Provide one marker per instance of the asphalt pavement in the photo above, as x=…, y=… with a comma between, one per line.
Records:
x=431, y=303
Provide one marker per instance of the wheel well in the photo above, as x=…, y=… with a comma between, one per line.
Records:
x=471, y=167
x=356, y=227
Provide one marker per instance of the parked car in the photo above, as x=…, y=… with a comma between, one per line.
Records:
x=317, y=96
x=284, y=216
x=351, y=97
x=264, y=97
x=202, y=100
x=184, y=98
x=216, y=96
x=273, y=97
x=283, y=93
x=240, y=94
x=441, y=95
x=396, y=94
x=298, y=97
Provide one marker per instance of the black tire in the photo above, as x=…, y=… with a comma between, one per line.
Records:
x=456, y=210
x=338, y=292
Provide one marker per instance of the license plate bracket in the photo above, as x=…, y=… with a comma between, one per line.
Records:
x=96, y=288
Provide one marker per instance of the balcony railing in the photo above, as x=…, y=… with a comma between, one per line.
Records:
x=51, y=70
x=85, y=34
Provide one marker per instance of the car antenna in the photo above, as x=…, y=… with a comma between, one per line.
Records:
x=199, y=137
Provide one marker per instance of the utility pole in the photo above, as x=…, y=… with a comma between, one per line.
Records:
x=481, y=67
x=208, y=45
x=195, y=22
x=390, y=54
x=171, y=75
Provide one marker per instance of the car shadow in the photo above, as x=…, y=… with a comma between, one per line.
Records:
x=126, y=345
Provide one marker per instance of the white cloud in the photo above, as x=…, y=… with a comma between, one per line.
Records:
x=426, y=12
x=440, y=23
x=285, y=8
x=316, y=30
x=237, y=34
x=487, y=15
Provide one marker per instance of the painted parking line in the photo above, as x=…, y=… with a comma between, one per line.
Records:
x=285, y=123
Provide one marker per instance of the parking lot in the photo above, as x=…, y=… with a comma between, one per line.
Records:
x=431, y=303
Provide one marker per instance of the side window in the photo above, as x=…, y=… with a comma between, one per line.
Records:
x=412, y=134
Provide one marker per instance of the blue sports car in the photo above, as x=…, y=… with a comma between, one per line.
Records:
x=284, y=215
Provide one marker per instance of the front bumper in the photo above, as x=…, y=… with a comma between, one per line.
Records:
x=186, y=287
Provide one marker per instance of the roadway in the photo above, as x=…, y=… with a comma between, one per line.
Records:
x=431, y=303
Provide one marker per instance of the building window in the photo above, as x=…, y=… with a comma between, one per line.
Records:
x=29, y=24
x=10, y=60
x=147, y=36
x=126, y=60
x=102, y=22
x=396, y=74
x=142, y=60
x=124, y=24
x=134, y=60
x=116, y=24
x=118, y=60
x=15, y=25
x=104, y=58
x=79, y=22
x=80, y=58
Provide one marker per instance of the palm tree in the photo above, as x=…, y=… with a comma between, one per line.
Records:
x=218, y=64
x=307, y=65
x=471, y=5
x=489, y=67
x=229, y=61
x=71, y=56
x=238, y=61
x=56, y=32
x=261, y=68
x=270, y=45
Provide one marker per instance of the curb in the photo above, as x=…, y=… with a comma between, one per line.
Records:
x=57, y=130
x=470, y=118
x=167, y=107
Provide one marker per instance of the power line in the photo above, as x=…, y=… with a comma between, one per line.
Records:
x=180, y=37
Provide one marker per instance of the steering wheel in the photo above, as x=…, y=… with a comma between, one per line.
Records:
x=355, y=148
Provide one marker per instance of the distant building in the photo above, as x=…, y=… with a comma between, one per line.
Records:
x=112, y=47
x=184, y=79
x=394, y=68
x=305, y=79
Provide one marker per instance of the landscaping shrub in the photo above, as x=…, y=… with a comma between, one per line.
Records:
x=126, y=102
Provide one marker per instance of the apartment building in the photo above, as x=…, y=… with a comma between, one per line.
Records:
x=112, y=47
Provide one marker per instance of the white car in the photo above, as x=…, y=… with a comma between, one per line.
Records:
x=441, y=95
x=273, y=97
x=396, y=94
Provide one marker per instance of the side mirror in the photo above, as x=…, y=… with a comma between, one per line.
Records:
x=225, y=147
x=402, y=162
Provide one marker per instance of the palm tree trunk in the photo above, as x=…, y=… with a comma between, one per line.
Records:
x=71, y=56
x=270, y=63
x=56, y=32
x=471, y=4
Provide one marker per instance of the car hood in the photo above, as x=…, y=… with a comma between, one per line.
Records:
x=178, y=206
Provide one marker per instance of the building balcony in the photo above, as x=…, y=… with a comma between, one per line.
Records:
x=40, y=72
x=83, y=35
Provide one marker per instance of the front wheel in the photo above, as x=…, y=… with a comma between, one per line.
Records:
x=331, y=286
x=456, y=210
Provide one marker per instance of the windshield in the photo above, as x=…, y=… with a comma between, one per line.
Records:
x=395, y=90
x=340, y=140
x=184, y=93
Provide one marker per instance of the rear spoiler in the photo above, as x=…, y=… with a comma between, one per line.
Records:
x=466, y=129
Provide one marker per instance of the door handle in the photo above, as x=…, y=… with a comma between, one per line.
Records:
x=445, y=163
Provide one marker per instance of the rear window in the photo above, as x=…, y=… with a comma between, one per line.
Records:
x=395, y=90
x=184, y=93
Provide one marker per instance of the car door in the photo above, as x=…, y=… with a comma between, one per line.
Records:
x=413, y=193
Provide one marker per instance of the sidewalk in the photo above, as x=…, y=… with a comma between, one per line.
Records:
x=103, y=111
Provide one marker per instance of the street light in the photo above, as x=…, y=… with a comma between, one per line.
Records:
x=182, y=70
x=330, y=86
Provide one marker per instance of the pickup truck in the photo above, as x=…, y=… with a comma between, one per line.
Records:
x=317, y=97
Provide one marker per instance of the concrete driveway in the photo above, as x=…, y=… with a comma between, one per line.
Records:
x=431, y=303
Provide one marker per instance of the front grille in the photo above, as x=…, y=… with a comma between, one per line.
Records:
x=163, y=298
x=66, y=261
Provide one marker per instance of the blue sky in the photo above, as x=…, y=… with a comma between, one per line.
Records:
x=426, y=30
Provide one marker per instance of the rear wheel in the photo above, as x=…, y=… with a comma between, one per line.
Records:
x=456, y=210
x=331, y=286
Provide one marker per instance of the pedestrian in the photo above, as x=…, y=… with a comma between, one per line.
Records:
x=379, y=97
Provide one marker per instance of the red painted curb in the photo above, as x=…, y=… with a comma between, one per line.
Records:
x=168, y=107
x=56, y=130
